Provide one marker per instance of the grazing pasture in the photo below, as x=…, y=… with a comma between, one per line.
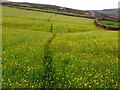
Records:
x=110, y=23
x=63, y=52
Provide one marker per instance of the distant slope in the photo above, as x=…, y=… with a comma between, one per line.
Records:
x=51, y=9
x=46, y=7
x=61, y=10
x=113, y=12
x=4, y=1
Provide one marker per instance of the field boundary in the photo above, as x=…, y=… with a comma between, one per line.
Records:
x=97, y=17
x=106, y=26
x=60, y=13
x=103, y=16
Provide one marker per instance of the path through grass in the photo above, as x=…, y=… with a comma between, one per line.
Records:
x=75, y=54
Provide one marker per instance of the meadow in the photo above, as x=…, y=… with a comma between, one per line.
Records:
x=110, y=23
x=63, y=52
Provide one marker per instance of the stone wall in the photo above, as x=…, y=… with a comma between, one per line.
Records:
x=97, y=19
x=105, y=26
x=106, y=17
x=46, y=7
x=43, y=10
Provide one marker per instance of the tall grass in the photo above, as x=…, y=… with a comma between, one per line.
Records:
x=82, y=55
x=87, y=59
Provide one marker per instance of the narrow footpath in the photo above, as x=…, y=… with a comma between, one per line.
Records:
x=48, y=73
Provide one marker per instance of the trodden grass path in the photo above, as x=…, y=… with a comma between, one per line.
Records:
x=49, y=71
x=73, y=54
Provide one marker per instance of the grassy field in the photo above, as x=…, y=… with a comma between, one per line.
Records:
x=110, y=23
x=65, y=52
